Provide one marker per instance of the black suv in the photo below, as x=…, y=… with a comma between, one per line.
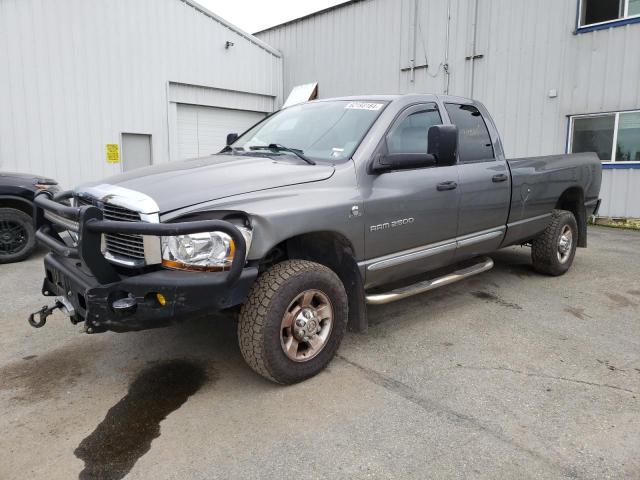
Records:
x=17, y=235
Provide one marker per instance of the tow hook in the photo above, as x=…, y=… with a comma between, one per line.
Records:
x=39, y=319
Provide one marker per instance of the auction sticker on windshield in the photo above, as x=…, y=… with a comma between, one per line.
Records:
x=364, y=106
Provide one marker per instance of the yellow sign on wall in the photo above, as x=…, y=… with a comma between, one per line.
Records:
x=113, y=153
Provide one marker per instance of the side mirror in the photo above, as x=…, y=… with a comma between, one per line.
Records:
x=231, y=138
x=403, y=161
x=443, y=144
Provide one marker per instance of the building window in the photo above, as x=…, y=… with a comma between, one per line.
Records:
x=628, y=139
x=615, y=137
x=598, y=12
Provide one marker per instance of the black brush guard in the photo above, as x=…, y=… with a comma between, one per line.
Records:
x=86, y=283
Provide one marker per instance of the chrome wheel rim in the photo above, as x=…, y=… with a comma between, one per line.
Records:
x=13, y=237
x=306, y=326
x=565, y=244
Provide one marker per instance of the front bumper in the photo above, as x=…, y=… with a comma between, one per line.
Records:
x=90, y=284
x=187, y=294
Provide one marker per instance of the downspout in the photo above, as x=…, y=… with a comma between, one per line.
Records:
x=446, y=50
x=414, y=53
x=473, y=47
x=283, y=99
x=169, y=132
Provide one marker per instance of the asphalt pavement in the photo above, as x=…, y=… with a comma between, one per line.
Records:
x=505, y=375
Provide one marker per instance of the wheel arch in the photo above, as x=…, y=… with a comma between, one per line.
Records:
x=17, y=203
x=335, y=251
x=572, y=200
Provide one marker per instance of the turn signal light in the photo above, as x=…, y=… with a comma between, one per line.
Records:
x=162, y=300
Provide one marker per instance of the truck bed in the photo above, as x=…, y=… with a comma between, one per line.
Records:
x=539, y=182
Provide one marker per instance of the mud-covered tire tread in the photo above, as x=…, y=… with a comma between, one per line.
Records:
x=253, y=314
x=27, y=221
x=544, y=247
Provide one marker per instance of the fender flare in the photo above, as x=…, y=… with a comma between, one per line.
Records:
x=15, y=198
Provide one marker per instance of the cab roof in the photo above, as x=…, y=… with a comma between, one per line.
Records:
x=392, y=98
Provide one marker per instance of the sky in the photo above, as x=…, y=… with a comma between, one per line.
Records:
x=254, y=15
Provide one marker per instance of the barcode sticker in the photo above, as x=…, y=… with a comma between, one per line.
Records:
x=364, y=106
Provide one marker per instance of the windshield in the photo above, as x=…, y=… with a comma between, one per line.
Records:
x=323, y=131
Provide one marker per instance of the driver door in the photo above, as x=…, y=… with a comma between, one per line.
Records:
x=411, y=216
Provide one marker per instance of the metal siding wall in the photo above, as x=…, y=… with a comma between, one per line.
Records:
x=620, y=193
x=76, y=74
x=354, y=49
x=529, y=48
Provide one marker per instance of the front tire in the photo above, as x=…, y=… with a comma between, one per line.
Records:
x=17, y=235
x=554, y=249
x=293, y=321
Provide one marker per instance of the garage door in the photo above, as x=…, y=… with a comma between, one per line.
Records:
x=203, y=131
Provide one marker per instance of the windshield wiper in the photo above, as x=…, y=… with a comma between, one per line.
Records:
x=276, y=147
x=229, y=148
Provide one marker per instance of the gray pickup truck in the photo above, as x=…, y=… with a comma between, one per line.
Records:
x=303, y=220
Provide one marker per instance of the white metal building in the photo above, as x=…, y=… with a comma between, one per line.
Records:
x=93, y=88
x=558, y=75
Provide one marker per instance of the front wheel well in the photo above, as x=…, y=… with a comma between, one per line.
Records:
x=17, y=204
x=336, y=252
x=572, y=200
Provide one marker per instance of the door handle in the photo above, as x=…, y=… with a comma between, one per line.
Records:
x=500, y=178
x=444, y=186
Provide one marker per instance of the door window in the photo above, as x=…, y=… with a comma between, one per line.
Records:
x=474, y=141
x=410, y=135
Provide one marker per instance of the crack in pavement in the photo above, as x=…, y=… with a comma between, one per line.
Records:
x=408, y=393
x=551, y=377
x=629, y=363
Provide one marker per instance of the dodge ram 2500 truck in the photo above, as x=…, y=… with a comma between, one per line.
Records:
x=303, y=220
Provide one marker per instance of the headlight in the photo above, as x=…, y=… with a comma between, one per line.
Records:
x=210, y=251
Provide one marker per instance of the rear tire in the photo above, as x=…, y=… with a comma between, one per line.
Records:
x=554, y=249
x=17, y=235
x=293, y=321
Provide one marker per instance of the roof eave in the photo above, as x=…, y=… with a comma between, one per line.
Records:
x=230, y=26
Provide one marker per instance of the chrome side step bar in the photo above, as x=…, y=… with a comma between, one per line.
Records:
x=483, y=264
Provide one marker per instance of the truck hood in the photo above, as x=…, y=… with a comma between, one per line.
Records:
x=25, y=177
x=190, y=182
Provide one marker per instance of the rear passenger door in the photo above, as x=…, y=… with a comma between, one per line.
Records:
x=484, y=183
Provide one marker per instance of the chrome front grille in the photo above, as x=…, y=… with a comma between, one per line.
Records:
x=113, y=212
x=120, y=247
x=122, y=244
x=82, y=201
